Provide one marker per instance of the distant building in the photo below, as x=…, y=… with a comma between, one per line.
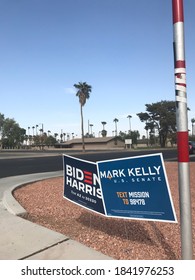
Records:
x=93, y=143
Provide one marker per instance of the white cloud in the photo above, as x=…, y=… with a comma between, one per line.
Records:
x=70, y=90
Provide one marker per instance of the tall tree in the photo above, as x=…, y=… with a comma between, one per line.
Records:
x=129, y=117
x=193, y=121
x=115, y=120
x=161, y=116
x=83, y=93
x=104, y=132
x=1, y=120
x=104, y=123
x=12, y=134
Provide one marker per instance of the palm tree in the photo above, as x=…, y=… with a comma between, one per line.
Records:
x=55, y=135
x=192, y=121
x=64, y=136
x=115, y=120
x=104, y=132
x=104, y=123
x=33, y=130
x=129, y=117
x=91, y=125
x=36, y=128
x=83, y=92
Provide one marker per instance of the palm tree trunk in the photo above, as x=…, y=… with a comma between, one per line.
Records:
x=82, y=129
x=116, y=129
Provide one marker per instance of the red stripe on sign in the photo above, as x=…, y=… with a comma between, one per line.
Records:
x=178, y=14
x=183, y=146
x=87, y=172
x=88, y=177
x=180, y=64
x=88, y=181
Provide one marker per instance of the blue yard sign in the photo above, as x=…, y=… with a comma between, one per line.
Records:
x=81, y=183
x=136, y=188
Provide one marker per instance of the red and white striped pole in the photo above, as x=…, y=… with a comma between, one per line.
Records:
x=182, y=130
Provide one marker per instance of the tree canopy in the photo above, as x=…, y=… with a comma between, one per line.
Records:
x=12, y=135
x=162, y=117
x=83, y=92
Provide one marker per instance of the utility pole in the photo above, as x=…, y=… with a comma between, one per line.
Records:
x=182, y=130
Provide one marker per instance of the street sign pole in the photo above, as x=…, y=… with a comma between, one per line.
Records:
x=182, y=130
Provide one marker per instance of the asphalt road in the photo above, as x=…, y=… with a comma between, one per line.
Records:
x=20, y=163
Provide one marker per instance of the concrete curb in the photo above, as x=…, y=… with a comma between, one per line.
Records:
x=32, y=241
x=11, y=204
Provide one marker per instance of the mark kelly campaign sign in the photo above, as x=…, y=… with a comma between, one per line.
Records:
x=136, y=188
x=81, y=183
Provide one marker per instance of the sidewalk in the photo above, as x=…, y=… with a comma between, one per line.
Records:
x=21, y=239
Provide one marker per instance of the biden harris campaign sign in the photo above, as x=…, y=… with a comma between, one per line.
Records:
x=81, y=183
x=136, y=188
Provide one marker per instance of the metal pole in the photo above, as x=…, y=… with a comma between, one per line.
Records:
x=182, y=130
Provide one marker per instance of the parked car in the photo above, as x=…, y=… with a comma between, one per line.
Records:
x=191, y=147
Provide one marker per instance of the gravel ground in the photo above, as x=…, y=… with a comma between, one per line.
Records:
x=117, y=238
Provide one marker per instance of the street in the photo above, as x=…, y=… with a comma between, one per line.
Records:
x=14, y=163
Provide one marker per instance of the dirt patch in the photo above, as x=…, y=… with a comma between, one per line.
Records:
x=118, y=238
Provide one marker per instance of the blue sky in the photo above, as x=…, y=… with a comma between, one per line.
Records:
x=122, y=48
